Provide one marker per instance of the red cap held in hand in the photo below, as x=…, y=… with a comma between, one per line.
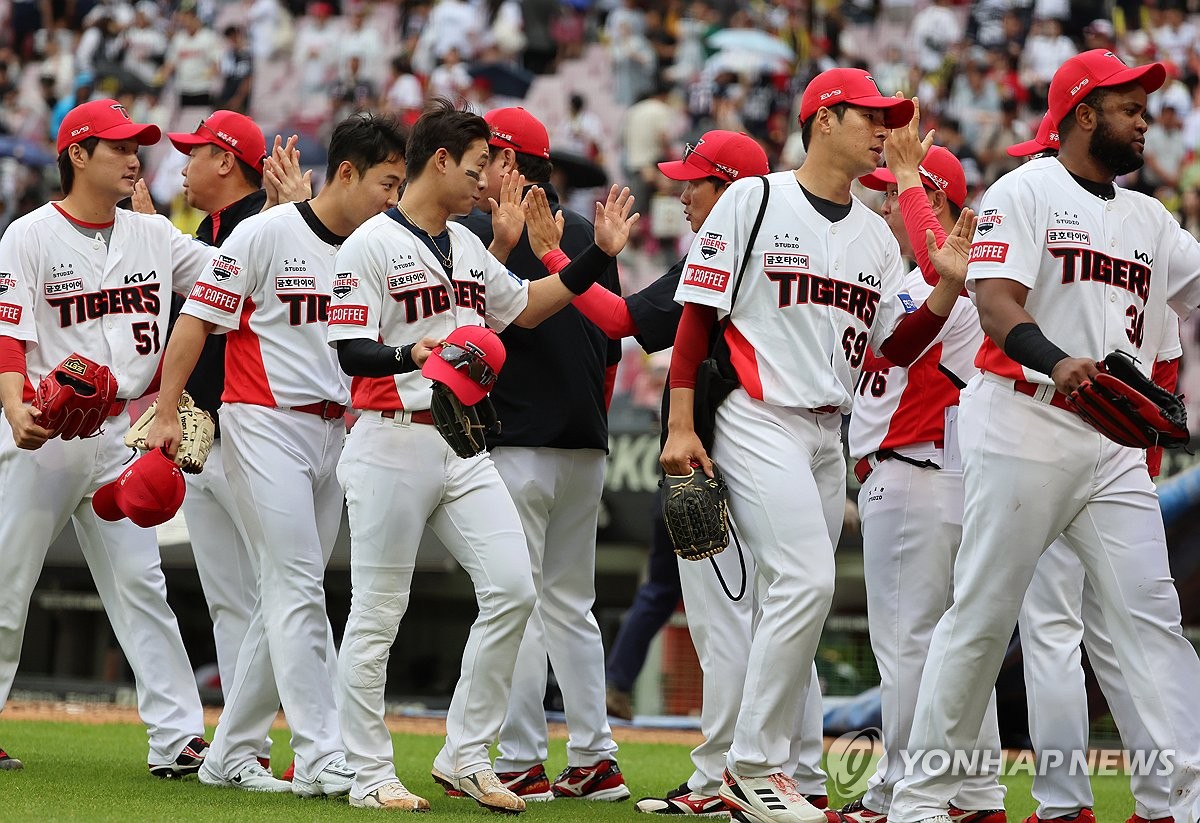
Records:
x=467, y=363
x=149, y=492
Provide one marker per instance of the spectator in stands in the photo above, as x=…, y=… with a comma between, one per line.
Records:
x=1046, y=49
x=363, y=41
x=85, y=87
x=649, y=128
x=194, y=60
x=974, y=98
x=1175, y=39
x=237, y=72
x=634, y=64
x=450, y=78
x=997, y=137
x=1164, y=154
x=352, y=92
x=935, y=30
x=315, y=54
x=145, y=46
x=404, y=96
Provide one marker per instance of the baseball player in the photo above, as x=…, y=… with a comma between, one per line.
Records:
x=1059, y=612
x=823, y=282
x=412, y=276
x=903, y=439
x=1063, y=257
x=83, y=277
x=720, y=627
x=550, y=453
x=284, y=399
x=224, y=178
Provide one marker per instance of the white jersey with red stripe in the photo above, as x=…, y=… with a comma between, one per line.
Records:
x=63, y=292
x=899, y=406
x=814, y=296
x=1099, y=272
x=268, y=286
x=391, y=288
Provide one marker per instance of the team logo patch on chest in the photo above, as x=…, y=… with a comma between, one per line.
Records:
x=989, y=220
x=224, y=267
x=711, y=243
x=343, y=284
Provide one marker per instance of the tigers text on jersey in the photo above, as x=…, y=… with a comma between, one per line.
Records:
x=900, y=406
x=268, y=286
x=1099, y=272
x=814, y=296
x=390, y=287
x=62, y=292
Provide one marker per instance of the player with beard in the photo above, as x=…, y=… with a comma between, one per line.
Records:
x=1063, y=257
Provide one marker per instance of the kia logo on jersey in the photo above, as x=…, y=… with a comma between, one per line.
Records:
x=343, y=284
x=870, y=280
x=225, y=267
x=140, y=277
x=711, y=243
x=989, y=220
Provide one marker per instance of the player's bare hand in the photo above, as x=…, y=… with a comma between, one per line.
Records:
x=141, y=202
x=1071, y=372
x=545, y=227
x=26, y=432
x=951, y=259
x=682, y=452
x=165, y=432
x=422, y=349
x=508, y=218
x=904, y=147
x=283, y=178
x=614, y=221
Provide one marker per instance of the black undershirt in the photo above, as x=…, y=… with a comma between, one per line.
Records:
x=318, y=228
x=831, y=211
x=1105, y=191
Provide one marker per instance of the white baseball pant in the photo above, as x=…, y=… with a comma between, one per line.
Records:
x=1033, y=472
x=400, y=477
x=42, y=490
x=557, y=494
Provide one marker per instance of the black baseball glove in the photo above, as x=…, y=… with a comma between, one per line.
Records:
x=1129, y=408
x=465, y=428
x=696, y=510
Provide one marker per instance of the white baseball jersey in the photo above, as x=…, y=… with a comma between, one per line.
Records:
x=900, y=406
x=1100, y=272
x=62, y=292
x=814, y=296
x=268, y=286
x=390, y=287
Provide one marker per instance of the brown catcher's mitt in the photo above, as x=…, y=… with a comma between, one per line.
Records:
x=196, y=441
x=75, y=398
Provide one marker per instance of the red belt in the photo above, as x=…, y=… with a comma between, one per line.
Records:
x=117, y=407
x=826, y=409
x=1057, y=399
x=863, y=468
x=423, y=416
x=325, y=409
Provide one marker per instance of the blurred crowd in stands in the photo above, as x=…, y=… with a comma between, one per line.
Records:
x=622, y=84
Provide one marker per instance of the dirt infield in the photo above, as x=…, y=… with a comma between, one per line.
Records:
x=99, y=712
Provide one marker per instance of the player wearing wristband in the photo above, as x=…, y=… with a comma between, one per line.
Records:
x=1064, y=257
x=414, y=274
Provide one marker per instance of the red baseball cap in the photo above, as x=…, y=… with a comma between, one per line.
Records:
x=1045, y=139
x=106, y=119
x=940, y=171
x=516, y=129
x=226, y=130
x=149, y=492
x=467, y=362
x=858, y=88
x=725, y=154
x=1097, y=69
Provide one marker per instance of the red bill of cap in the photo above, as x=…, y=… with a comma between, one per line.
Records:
x=858, y=88
x=1045, y=139
x=516, y=129
x=719, y=153
x=940, y=170
x=106, y=119
x=487, y=347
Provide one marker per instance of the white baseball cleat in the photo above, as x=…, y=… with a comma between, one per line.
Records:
x=250, y=778
x=772, y=799
x=486, y=789
x=332, y=781
x=392, y=796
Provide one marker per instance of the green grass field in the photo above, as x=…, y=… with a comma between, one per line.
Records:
x=96, y=773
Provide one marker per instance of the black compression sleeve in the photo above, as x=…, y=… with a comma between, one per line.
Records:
x=588, y=267
x=1027, y=345
x=366, y=358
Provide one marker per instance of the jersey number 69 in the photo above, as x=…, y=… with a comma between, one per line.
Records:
x=855, y=346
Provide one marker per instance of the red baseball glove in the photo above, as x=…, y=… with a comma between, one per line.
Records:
x=1129, y=408
x=75, y=398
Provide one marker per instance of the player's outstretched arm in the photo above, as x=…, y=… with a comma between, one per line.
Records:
x=22, y=418
x=183, y=350
x=508, y=216
x=950, y=262
x=904, y=149
x=283, y=178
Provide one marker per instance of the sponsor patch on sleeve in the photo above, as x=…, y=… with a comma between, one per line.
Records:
x=347, y=315
x=219, y=299
x=989, y=252
x=906, y=300
x=706, y=278
x=10, y=313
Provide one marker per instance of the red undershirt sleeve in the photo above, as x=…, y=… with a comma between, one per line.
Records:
x=691, y=344
x=607, y=310
x=12, y=355
x=918, y=217
x=912, y=336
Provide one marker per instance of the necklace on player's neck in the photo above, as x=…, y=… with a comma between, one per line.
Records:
x=447, y=259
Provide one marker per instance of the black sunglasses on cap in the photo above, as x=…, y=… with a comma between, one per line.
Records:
x=729, y=171
x=470, y=361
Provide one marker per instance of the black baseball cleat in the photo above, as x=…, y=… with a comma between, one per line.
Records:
x=188, y=761
x=9, y=763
